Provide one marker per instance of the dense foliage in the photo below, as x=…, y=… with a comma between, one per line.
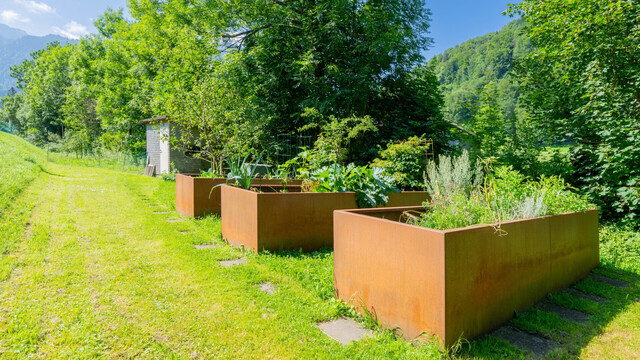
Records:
x=460, y=198
x=237, y=74
x=405, y=161
x=582, y=84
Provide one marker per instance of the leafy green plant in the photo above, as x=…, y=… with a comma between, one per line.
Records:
x=370, y=184
x=209, y=173
x=405, y=161
x=242, y=172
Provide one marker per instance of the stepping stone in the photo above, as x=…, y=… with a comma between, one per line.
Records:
x=230, y=263
x=160, y=212
x=590, y=297
x=171, y=221
x=268, y=288
x=563, y=312
x=206, y=246
x=610, y=281
x=525, y=341
x=344, y=331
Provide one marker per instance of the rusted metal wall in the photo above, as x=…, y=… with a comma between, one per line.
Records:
x=292, y=221
x=194, y=197
x=396, y=269
x=492, y=273
x=485, y=274
x=239, y=220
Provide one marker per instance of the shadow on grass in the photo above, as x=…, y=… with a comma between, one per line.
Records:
x=571, y=337
x=42, y=168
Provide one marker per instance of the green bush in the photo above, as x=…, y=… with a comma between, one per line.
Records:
x=505, y=195
x=405, y=161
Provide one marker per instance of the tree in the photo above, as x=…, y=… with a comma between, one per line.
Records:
x=10, y=108
x=44, y=80
x=488, y=124
x=344, y=58
x=582, y=84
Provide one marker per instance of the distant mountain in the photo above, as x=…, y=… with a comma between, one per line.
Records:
x=465, y=69
x=15, y=46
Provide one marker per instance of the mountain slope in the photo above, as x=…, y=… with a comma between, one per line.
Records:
x=15, y=46
x=464, y=70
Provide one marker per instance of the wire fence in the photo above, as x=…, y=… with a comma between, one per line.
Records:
x=7, y=127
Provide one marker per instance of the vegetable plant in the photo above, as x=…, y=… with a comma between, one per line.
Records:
x=241, y=172
x=370, y=184
x=459, y=200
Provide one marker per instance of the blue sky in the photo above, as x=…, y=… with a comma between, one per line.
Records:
x=69, y=18
x=453, y=21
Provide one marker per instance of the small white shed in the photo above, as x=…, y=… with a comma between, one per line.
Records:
x=162, y=156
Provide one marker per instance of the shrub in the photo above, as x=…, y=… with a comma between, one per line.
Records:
x=405, y=161
x=505, y=195
x=453, y=174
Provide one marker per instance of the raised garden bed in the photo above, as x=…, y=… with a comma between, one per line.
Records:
x=292, y=220
x=458, y=283
x=195, y=199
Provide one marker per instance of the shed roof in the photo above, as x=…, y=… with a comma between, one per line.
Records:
x=155, y=120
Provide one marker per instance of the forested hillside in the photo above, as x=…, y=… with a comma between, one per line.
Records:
x=467, y=69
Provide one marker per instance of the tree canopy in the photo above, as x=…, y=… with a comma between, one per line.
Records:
x=243, y=64
x=582, y=84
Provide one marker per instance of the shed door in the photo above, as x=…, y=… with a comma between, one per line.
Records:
x=165, y=161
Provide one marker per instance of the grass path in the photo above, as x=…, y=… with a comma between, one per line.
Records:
x=101, y=273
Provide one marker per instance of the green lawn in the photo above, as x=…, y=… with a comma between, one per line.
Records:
x=90, y=268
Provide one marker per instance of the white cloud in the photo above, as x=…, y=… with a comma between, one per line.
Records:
x=36, y=7
x=71, y=30
x=11, y=17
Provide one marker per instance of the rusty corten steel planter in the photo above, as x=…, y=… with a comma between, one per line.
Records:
x=194, y=197
x=458, y=283
x=293, y=220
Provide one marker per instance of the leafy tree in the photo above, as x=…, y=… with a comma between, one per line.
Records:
x=44, y=80
x=343, y=58
x=581, y=83
x=10, y=108
x=335, y=136
x=488, y=124
x=215, y=117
